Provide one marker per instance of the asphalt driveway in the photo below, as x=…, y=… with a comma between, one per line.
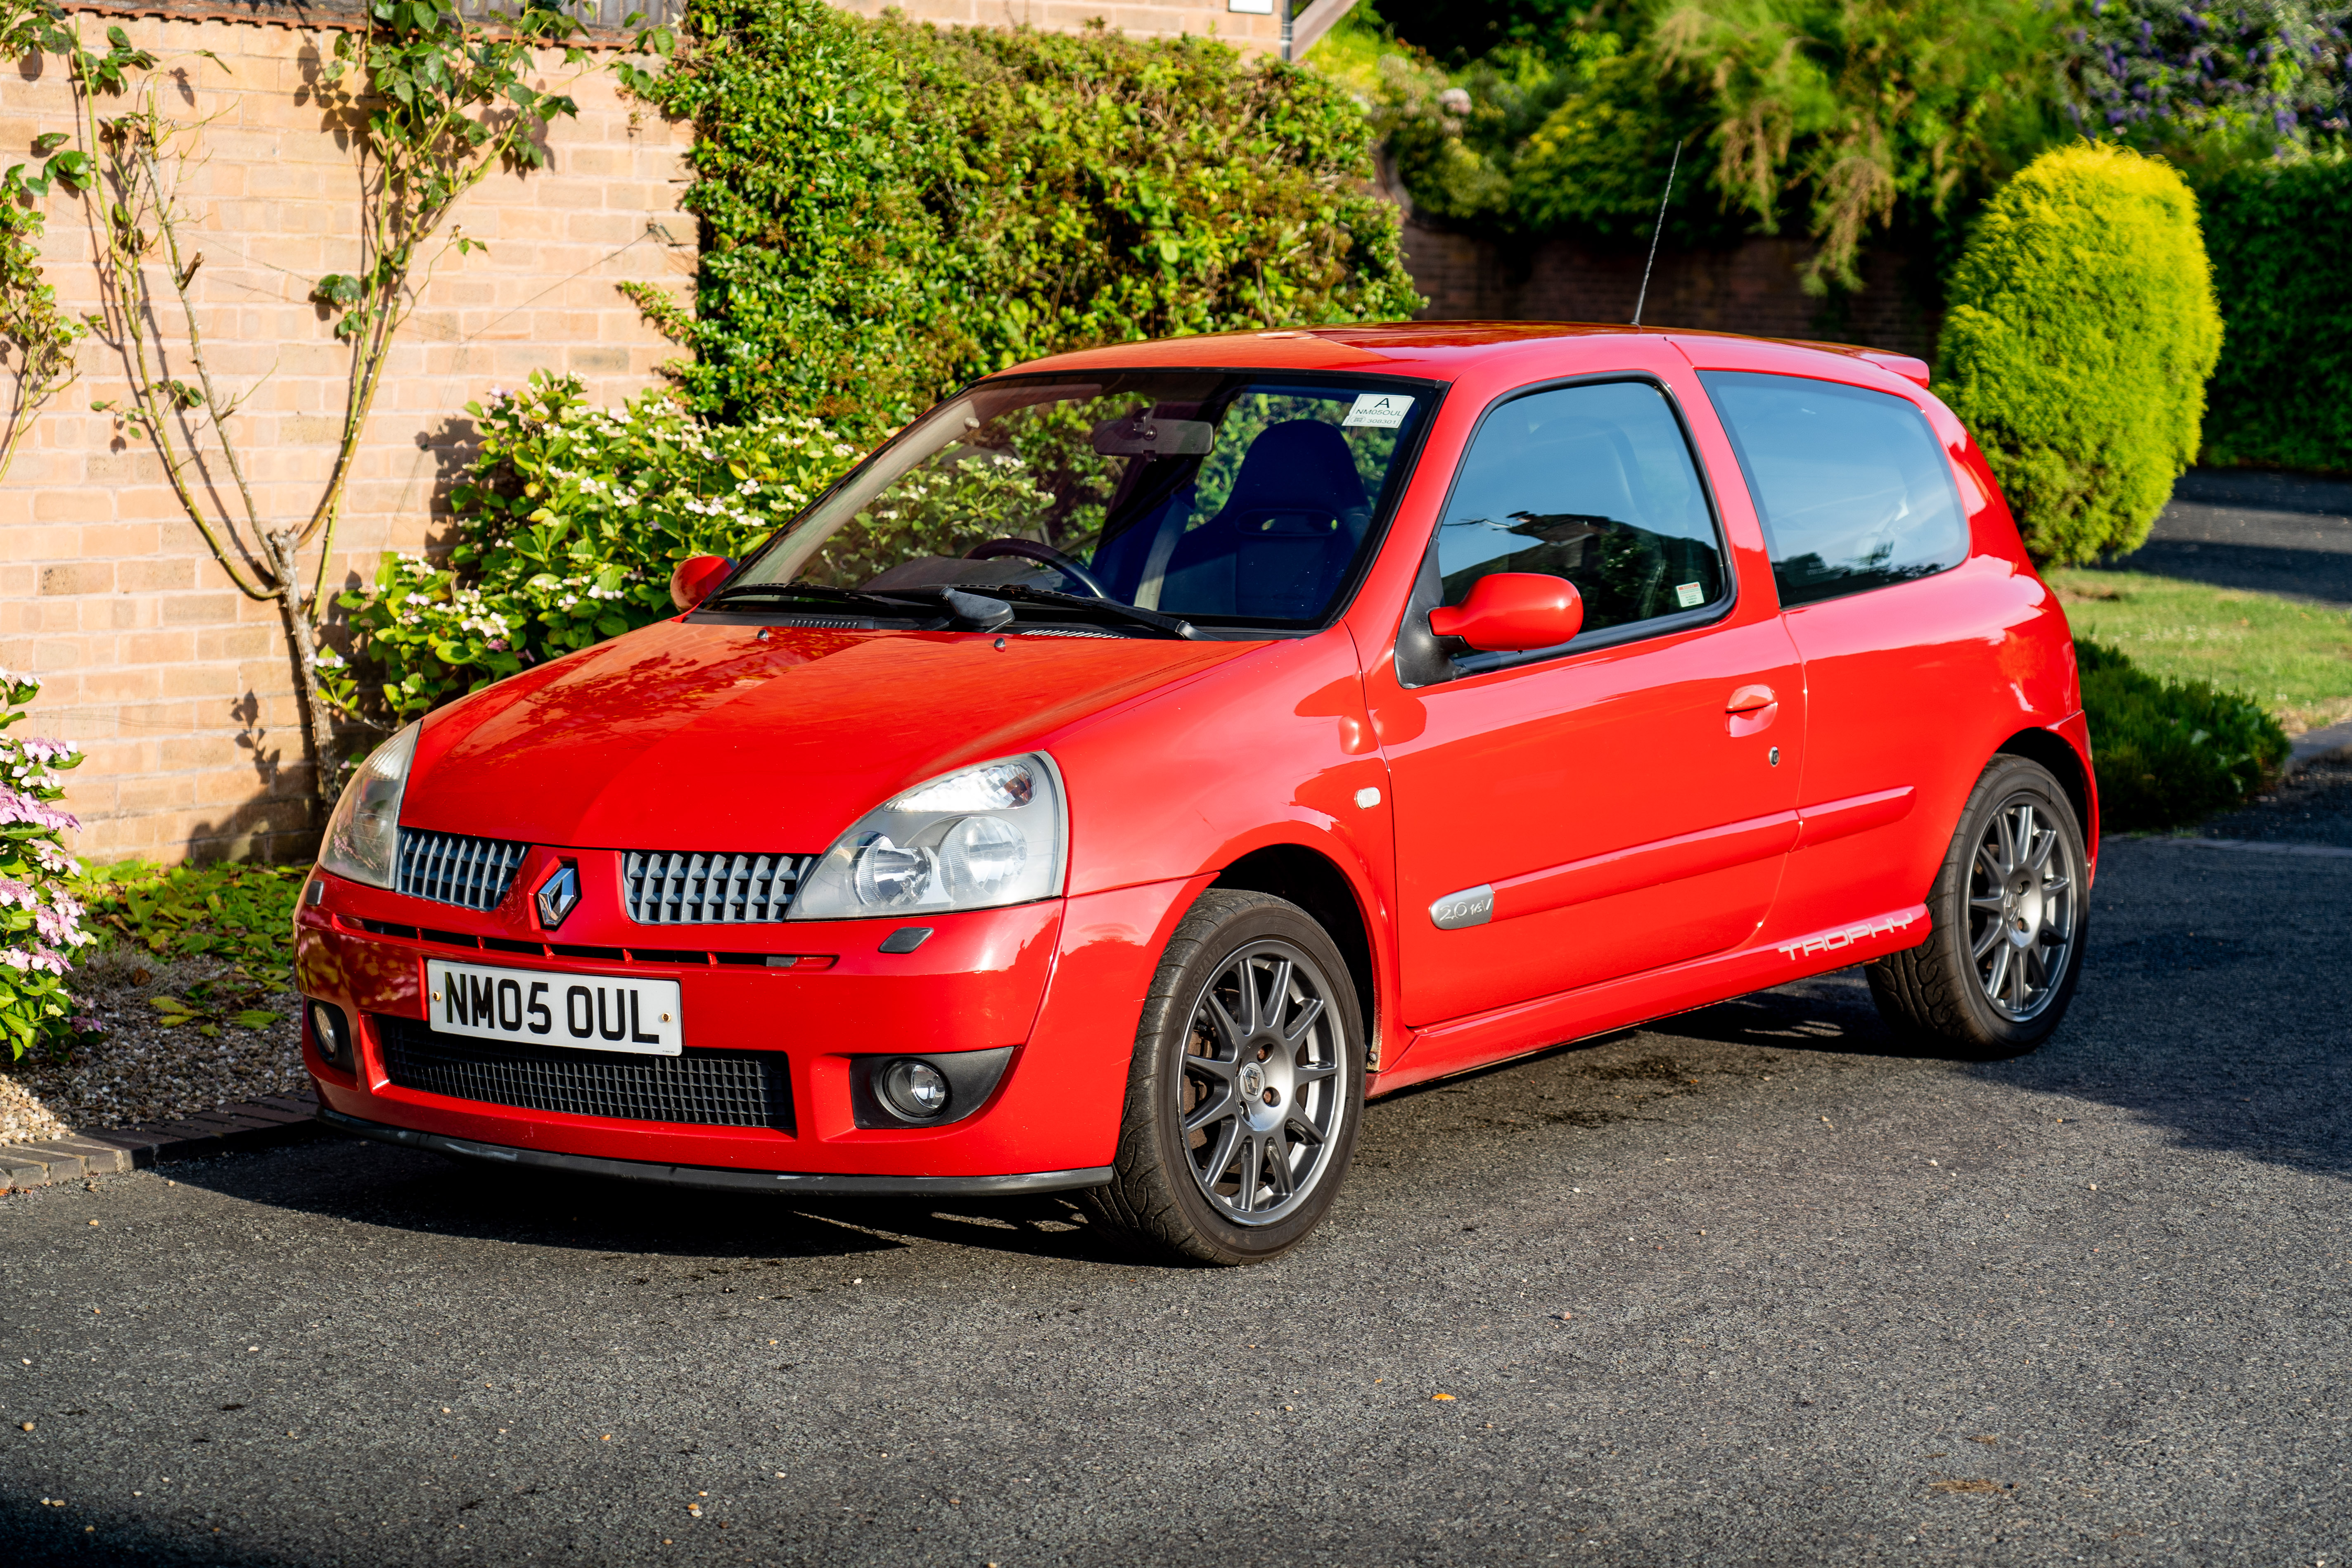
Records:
x=1749, y=1287
x=2254, y=528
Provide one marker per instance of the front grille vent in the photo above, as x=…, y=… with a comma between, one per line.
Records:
x=701, y=1089
x=457, y=867
x=674, y=888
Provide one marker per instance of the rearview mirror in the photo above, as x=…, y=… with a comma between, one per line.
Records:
x=1512, y=612
x=1144, y=434
x=695, y=577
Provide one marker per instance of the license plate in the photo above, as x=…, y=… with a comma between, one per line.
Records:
x=591, y=1012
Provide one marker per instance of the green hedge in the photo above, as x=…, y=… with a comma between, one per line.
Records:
x=2170, y=752
x=889, y=209
x=2080, y=331
x=2279, y=234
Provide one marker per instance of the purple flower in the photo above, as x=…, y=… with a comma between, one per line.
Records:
x=14, y=807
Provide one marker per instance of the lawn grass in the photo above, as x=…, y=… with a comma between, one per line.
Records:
x=2295, y=660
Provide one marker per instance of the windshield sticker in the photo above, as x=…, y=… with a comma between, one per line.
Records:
x=1689, y=593
x=1378, y=410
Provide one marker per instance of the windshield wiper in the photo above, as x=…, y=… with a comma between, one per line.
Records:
x=914, y=607
x=1171, y=624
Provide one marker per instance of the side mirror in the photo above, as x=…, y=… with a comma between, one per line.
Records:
x=695, y=577
x=1512, y=612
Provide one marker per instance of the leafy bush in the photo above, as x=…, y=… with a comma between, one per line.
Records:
x=2277, y=398
x=1835, y=116
x=241, y=914
x=41, y=921
x=2081, y=330
x=2170, y=752
x=890, y=208
x=2210, y=81
x=569, y=522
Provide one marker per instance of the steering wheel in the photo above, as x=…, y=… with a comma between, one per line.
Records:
x=1029, y=549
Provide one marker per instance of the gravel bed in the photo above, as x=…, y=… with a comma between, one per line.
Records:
x=139, y=1071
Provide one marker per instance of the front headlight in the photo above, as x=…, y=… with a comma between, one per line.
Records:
x=973, y=839
x=364, y=835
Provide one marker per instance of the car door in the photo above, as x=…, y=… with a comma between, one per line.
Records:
x=1575, y=814
x=1902, y=636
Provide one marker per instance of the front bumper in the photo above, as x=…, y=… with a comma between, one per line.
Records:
x=820, y=1184
x=1061, y=983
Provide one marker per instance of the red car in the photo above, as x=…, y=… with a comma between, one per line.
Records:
x=1153, y=753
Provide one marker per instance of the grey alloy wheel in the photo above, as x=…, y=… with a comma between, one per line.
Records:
x=1260, y=1097
x=2024, y=890
x=2009, y=915
x=1245, y=1089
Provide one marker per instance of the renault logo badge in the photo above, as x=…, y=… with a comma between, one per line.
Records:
x=559, y=895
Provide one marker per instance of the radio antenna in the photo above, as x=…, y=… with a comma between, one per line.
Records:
x=1655, y=229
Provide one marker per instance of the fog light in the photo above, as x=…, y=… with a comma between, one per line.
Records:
x=332, y=1033
x=916, y=1090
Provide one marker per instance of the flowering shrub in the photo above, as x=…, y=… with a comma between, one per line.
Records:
x=40, y=923
x=569, y=523
x=2254, y=76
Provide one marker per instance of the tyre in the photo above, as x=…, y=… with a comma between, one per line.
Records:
x=2008, y=910
x=1246, y=1089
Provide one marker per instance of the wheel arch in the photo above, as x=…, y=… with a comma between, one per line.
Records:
x=1313, y=881
x=2066, y=764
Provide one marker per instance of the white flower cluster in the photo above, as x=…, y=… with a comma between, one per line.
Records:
x=25, y=764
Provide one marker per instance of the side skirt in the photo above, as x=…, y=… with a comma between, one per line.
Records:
x=1526, y=1028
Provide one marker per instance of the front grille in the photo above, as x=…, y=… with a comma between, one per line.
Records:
x=664, y=955
x=702, y=1088
x=676, y=888
x=457, y=867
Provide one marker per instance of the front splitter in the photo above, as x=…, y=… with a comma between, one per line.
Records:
x=719, y=1177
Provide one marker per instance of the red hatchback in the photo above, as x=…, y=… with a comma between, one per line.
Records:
x=1152, y=752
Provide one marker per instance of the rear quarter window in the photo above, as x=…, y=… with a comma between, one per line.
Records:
x=1853, y=488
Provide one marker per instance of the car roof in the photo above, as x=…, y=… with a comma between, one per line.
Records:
x=1444, y=351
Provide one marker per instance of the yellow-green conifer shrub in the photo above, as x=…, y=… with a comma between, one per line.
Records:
x=2081, y=331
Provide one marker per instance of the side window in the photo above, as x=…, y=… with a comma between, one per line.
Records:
x=1593, y=483
x=1852, y=486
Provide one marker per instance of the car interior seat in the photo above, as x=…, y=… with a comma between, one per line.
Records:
x=1279, y=546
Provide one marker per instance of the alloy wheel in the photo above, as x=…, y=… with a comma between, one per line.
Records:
x=1260, y=1097
x=2022, y=893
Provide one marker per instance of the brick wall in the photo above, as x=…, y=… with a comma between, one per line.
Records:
x=179, y=687
x=1753, y=287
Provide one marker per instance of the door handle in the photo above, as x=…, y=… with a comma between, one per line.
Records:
x=1751, y=711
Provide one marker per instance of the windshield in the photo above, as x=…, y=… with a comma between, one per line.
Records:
x=1234, y=497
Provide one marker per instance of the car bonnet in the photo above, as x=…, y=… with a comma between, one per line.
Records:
x=773, y=740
